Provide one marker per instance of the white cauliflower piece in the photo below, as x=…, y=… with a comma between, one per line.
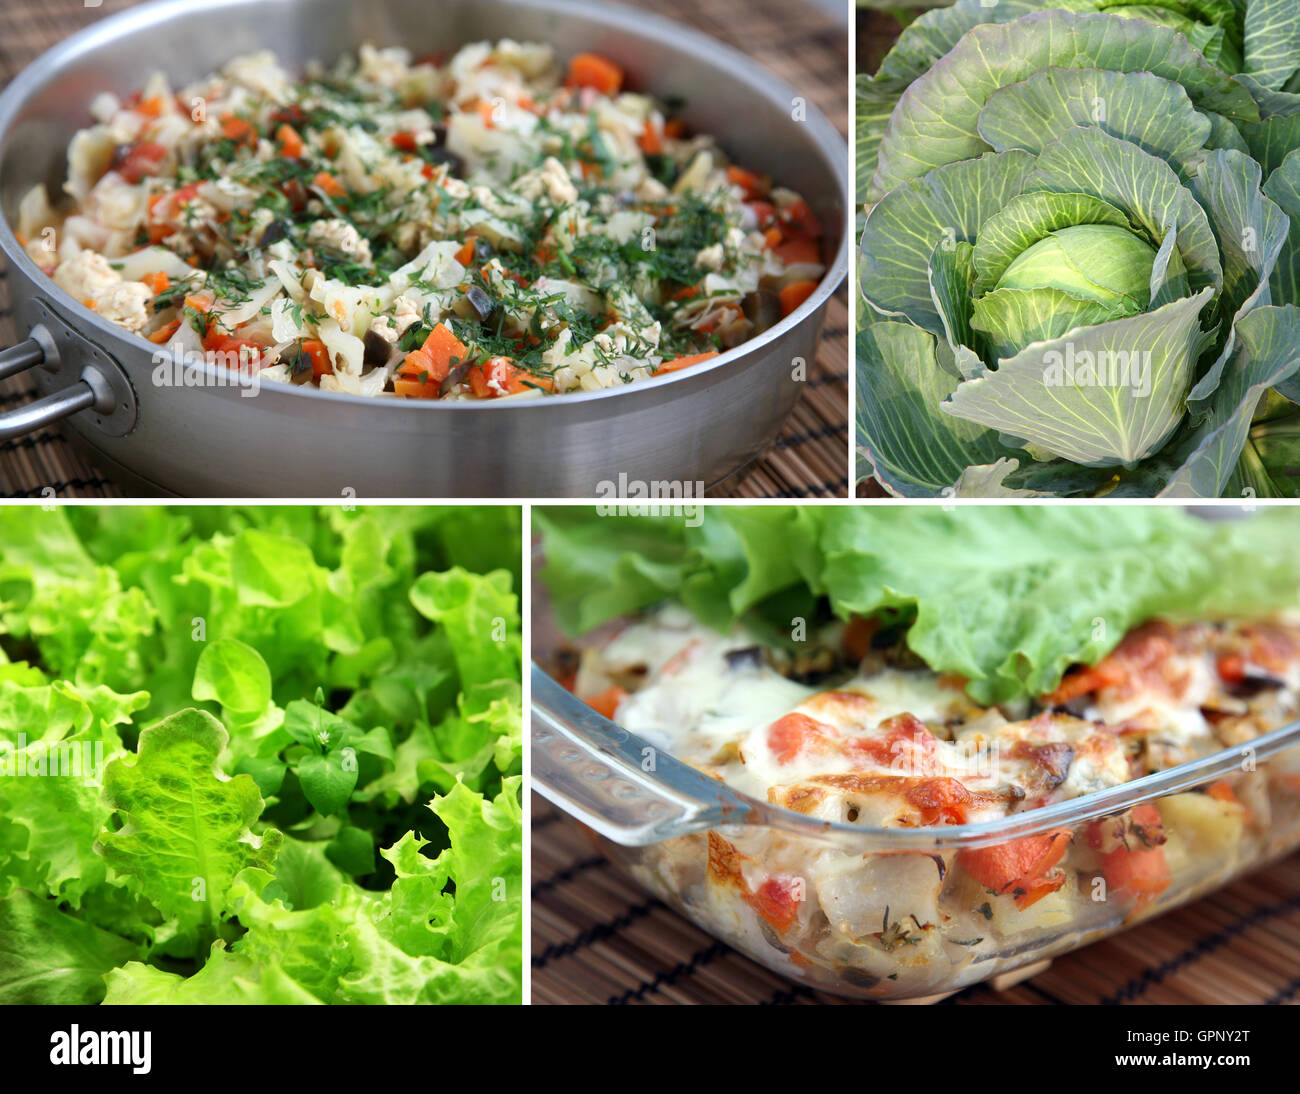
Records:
x=551, y=180
x=125, y=304
x=339, y=235
x=86, y=275
x=259, y=72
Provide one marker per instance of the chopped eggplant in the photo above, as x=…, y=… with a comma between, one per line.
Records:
x=475, y=304
x=454, y=377
x=301, y=371
x=273, y=233
x=454, y=163
x=762, y=307
x=751, y=657
x=377, y=348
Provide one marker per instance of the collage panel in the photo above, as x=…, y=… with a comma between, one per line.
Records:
x=1079, y=261
x=397, y=257
x=260, y=755
x=963, y=754
x=672, y=502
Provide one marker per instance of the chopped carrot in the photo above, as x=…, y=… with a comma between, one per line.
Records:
x=1222, y=791
x=1022, y=867
x=764, y=213
x=153, y=106
x=754, y=185
x=445, y=350
x=157, y=282
x=772, y=237
x=1137, y=867
x=200, y=301
x=683, y=362
x=163, y=333
x=487, y=112
x=289, y=141
x=795, y=294
x=328, y=184
x=651, y=140
x=607, y=701
x=238, y=130
x=675, y=128
x=416, y=389
x=798, y=251
x=466, y=253
x=321, y=365
x=594, y=71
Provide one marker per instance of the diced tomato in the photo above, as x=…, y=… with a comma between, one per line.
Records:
x=607, y=701
x=594, y=71
x=857, y=636
x=501, y=376
x=291, y=146
x=801, y=218
x=798, y=251
x=754, y=185
x=679, y=363
x=404, y=141
x=764, y=212
x=902, y=743
x=777, y=900
x=236, y=352
x=1021, y=867
x=795, y=294
x=163, y=333
x=290, y=114
x=795, y=733
x=141, y=160
x=675, y=128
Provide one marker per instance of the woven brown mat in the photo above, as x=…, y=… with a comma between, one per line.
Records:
x=802, y=45
x=598, y=938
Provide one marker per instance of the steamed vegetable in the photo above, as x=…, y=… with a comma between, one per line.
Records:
x=1080, y=262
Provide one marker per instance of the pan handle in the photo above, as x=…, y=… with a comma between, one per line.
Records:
x=92, y=391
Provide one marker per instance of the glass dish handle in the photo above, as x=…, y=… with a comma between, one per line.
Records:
x=614, y=782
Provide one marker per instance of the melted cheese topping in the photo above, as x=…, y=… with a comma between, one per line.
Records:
x=892, y=747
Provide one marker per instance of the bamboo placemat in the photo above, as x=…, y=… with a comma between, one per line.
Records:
x=597, y=938
x=804, y=46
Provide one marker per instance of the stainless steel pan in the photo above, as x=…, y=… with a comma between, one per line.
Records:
x=211, y=440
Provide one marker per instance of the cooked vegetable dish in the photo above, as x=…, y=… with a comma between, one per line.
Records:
x=854, y=729
x=497, y=223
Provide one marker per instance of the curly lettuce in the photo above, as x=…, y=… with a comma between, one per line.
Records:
x=299, y=732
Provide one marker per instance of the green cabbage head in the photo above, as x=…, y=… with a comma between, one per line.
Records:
x=1079, y=261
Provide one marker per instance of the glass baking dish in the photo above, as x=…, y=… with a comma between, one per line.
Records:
x=706, y=850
